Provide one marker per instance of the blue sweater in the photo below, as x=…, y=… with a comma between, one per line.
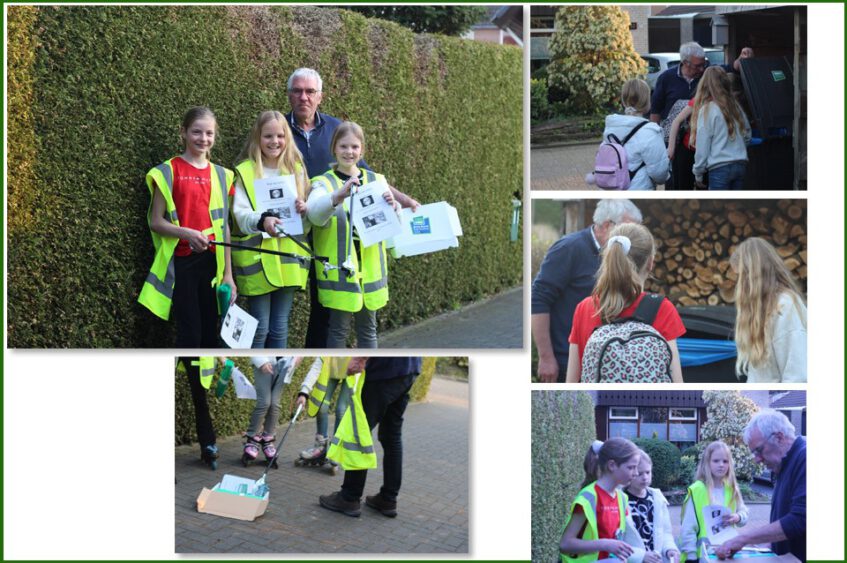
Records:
x=377, y=369
x=788, y=504
x=316, y=150
x=566, y=277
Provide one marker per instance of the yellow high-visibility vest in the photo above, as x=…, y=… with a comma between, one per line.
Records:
x=331, y=368
x=700, y=498
x=158, y=289
x=369, y=286
x=352, y=446
x=258, y=273
x=587, y=499
x=206, y=365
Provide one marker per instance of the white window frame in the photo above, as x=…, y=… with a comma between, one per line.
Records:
x=613, y=416
x=690, y=418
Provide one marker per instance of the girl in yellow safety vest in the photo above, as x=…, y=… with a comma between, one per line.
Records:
x=269, y=281
x=715, y=488
x=597, y=526
x=359, y=285
x=189, y=199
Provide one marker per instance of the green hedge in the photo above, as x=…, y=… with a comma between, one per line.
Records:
x=666, y=460
x=562, y=430
x=96, y=95
x=230, y=415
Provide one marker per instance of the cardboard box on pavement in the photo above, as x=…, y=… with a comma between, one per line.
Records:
x=232, y=498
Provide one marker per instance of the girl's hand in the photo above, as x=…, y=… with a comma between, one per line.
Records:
x=300, y=206
x=389, y=199
x=652, y=557
x=730, y=519
x=670, y=152
x=300, y=401
x=233, y=289
x=267, y=368
x=345, y=191
x=270, y=223
x=620, y=549
x=197, y=241
x=698, y=184
x=672, y=555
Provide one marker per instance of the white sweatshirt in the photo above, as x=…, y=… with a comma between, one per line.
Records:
x=646, y=146
x=786, y=362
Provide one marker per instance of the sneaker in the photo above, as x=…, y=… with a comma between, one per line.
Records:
x=386, y=507
x=337, y=503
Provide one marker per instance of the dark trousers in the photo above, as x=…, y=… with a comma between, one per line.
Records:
x=195, y=305
x=682, y=177
x=384, y=402
x=202, y=418
x=316, y=332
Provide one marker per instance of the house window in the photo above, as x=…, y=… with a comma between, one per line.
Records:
x=623, y=412
x=654, y=422
x=683, y=414
x=677, y=425
x=623, y=422
x=683, y=434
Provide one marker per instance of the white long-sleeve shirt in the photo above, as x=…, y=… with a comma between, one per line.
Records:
x=689, y=529
x=242, y=210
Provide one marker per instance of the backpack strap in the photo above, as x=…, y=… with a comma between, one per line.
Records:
x=634, y=131
x=648, y=308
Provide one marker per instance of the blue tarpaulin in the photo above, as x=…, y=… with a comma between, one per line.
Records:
x=699, y=351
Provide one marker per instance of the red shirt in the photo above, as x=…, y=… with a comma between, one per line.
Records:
x=608, y=517
x=191, y=192
x=585, y=320
x=685, y=137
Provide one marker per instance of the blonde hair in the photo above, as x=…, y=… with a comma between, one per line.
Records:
x=762, y=279
x=596, y=464
x=290, y=161
x=620, y=279
x=704, y=473
x=635, y=93
x=715, y=87
x=193, y=114
x=346, y=128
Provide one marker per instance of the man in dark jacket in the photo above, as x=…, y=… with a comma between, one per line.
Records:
x=313, y=133
x=385, y=395
x=770, y=436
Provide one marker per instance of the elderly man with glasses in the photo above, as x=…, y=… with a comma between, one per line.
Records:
x=313, y=132
x=771, y=438
x=674, y=88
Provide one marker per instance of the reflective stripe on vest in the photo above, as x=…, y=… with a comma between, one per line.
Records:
x=157, y=291
x=260, y=273
x=331, y=368
x=352, y=444
x=207, y=369
x=369, y=287
x=587, y=499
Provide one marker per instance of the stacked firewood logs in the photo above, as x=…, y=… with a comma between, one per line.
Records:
x=695, y=238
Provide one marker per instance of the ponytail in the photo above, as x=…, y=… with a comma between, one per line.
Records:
x=599, y=455
x=620, y=279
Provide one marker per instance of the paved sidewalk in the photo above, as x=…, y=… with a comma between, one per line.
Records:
x=493, y=323
x=433, y=501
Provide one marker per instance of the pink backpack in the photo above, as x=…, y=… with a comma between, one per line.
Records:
x=611, y=166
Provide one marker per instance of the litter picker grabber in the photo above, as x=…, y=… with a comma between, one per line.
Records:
x=261, y=487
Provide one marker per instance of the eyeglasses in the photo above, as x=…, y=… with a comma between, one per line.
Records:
x=701, y=66
x=310, y=92
x=757, y=452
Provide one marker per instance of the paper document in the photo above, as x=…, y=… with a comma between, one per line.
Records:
x=277, y=195
x=238, y=328
x=238, y=485
x=374, y=219
x=717, y=532
x=243, y=388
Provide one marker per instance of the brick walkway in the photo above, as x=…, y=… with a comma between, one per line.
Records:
x=433, y=502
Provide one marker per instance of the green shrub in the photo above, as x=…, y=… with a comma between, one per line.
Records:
x=230, y=415
x=687, y=470
x=562, y=431
x=665, y=458
x=96, y=97
x=539, y=106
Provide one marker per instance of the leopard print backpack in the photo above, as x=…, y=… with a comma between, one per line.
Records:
x=629, y=349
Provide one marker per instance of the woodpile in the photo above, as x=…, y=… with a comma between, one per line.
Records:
x=695, y=238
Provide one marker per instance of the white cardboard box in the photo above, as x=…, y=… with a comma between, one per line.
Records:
x=431, y=228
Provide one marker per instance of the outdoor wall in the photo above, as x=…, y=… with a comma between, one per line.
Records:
x=96, y=95
x=231, y=415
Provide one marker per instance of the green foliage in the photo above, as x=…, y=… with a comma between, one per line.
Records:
x=447, y=20
x=539, y=106
x=687, y=470
x=592, y=55
x=665, y=458
x=728, y=413
x=562, y=431
x=230, y=415
x=96, y=97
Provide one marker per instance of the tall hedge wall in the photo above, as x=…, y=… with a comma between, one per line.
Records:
x=96, y=95
x=562, y=431
x=231, y=415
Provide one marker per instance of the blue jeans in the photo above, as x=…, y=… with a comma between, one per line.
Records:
x=728, y=176
x=322, y=417
x=272, y=310
x=339, y=328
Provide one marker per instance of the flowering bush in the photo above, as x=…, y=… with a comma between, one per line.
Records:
x=728, y=413
x=592, y=55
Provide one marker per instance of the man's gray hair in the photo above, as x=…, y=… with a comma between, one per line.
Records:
x=306, y=73
x=692, y=49
x=615, y=210
x=768, y=422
